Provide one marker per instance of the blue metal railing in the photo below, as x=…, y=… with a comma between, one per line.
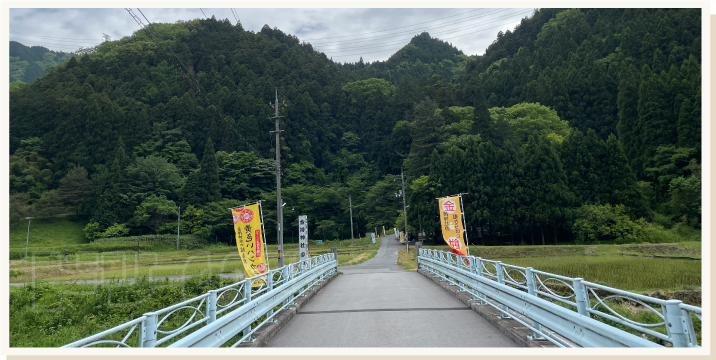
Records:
x=215, y=318
x=583, y=312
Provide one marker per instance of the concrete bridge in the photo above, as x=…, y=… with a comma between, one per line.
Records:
x=451, y=301
x=378, y=304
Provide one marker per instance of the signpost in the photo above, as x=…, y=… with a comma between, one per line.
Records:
x=303, y=237
x=372, y=237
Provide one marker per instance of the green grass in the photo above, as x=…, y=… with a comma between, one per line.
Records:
x=408, y=259
x=47, y=315
x=47, y=233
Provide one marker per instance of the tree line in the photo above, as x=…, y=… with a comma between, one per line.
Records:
x=561, y=124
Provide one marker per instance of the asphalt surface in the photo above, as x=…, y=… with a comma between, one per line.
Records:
x=378, y=304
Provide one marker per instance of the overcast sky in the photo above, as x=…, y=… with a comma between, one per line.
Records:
x=343, y=34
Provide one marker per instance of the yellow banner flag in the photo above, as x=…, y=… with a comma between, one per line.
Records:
x=451, y=222
x=249, y=239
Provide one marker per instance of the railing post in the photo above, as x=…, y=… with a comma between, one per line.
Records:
x=676, y=326
x=501, y=279
x=530, y=278
x=211, y=307
x=287, y=278
x=247, y=290
x=482, y=300
x=149, y=329
x=690, y=328
x=580, y=297
x=473, y=270
x=247, y=299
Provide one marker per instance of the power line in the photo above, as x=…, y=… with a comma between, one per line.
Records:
x=434, y=34
x=374, y=52
x=413, y=31
x=477, y=32
x=23, y=38
x=374, y=32
x=235, y=16
x=50, y=46
x=192, y=80
x=217, y=34
x=48, y=37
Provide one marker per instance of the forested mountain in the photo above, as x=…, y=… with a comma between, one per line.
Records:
x=575, y=117
x=422, y=58
x=29, y=63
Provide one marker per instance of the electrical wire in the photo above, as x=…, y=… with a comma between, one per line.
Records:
x=217, y=34
x=374, y=32
x=402, y=41
x=47, y=37
x=195, y=82
x=235, y=15
x=413, y=31
x=48, y=47
x=477, y=32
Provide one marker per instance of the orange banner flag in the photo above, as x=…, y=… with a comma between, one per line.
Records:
x=249, y=239
x=451, y=224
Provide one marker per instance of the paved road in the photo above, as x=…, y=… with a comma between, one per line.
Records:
x=378, y=304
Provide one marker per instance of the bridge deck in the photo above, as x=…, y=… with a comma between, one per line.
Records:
x=378, y=304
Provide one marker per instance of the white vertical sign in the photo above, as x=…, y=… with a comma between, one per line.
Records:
x=372, y=237
x=303, y=237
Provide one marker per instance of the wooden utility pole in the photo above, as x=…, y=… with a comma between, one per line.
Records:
x=279, y=208
x=350, y=205
x=405, y=209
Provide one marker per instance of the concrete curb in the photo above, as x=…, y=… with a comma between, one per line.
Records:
x=268, y=331
x=513, y=329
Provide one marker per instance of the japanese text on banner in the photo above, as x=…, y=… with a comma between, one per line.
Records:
x=451, y=224
x=249, y=240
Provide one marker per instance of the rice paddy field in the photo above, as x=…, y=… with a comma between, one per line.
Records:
x=132, y=264
x=632, y=267
x=627, y=273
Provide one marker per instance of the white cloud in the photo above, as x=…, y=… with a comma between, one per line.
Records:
x=343, y=34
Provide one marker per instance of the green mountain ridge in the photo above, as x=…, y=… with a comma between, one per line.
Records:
x=29, y=63
x=563, y=82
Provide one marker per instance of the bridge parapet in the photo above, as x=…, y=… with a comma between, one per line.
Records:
x=231, y=313
x=582, y=312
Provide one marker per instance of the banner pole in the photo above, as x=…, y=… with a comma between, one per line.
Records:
x=263, y=235
x=464, y=228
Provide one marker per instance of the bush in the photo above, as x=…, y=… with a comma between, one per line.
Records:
x=597, y=223
x=115, y=230
x=93, y=231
